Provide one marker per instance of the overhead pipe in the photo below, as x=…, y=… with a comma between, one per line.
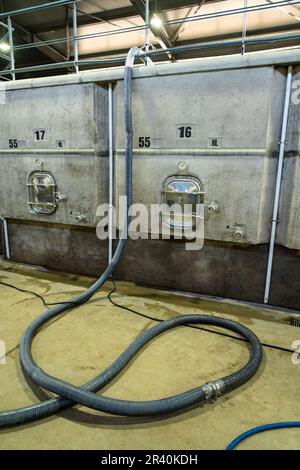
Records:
x=235, y=11
x=186, y=66
x=43, y=6
x=5, y=57
x=230, y=42
x=278, y=182
x=176, y=49
x=3, y=25
x=57, y=3
x=6, y=35
x=169, y=22
x=206, y=44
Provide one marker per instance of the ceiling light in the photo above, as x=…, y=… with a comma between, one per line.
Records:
x=4, y=47
x=156, y=22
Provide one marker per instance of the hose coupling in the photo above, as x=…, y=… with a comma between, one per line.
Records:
x=213, y=390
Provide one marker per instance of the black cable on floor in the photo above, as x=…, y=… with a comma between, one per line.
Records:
x=143, y=315
x=25, y=291
x=128, y=309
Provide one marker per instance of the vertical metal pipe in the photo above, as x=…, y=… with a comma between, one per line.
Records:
x=75, y=40
x=6, y=238
x=11, y=46
x=111, y=172
x=147, y=29
x=278, y=182
x=68, y=32
x=244, y=29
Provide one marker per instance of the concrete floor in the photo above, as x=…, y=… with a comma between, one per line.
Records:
x=85, y=341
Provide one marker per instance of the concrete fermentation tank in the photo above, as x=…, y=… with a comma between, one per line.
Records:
x=53, y=153
x=222, y=128
x=218, y=127
x=209, y=135
x=288, y=233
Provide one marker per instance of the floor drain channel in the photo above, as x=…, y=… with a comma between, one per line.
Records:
x=294, y=321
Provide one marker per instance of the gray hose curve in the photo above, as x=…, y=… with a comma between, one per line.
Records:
x=154, y=407
x=70, y=394
x=49, y=407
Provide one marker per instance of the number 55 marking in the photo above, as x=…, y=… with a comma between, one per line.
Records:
x=144, y=142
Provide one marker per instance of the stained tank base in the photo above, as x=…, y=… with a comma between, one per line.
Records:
x=60, y=247
x=224, y=270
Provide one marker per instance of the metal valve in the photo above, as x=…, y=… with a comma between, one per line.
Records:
x=240, y=231
x=81, y=218
x=213, y=207
x=182, y=166
x=60, y=197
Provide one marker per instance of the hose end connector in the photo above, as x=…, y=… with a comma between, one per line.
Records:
x=213, y=390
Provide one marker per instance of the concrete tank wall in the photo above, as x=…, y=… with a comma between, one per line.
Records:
x=62, y=130
x=288, y=232
x=241, y=110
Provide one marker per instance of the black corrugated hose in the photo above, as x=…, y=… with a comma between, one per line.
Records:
x=69, y=394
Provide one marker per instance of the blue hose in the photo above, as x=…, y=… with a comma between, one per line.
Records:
x=258, y=429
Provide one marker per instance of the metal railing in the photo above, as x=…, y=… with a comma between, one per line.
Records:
x=12, y=71
x=43, y=6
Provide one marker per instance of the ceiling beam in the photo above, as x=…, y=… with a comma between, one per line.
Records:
x=182, y=27
x=221, y=49
x=115, y=14
x=28, y=37
x=160, y=33
x=291, y=10
x=86, y=19
x=163, y=5
x=272, y=30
